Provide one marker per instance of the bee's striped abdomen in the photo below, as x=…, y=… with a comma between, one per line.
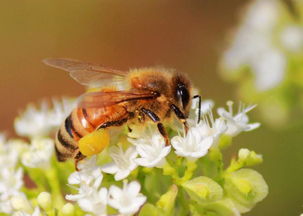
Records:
x=65, y=144
x=80, y=123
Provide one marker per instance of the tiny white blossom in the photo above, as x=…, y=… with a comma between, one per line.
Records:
x=211, y=127
x=10, y=180
x=39, y=153
x=22, y=213
x=192, y=145
x=123, y=162
x=89, y=178
x=5, y=200
x=90, y=197
x=41, y=121
x=96, y=203
x=151, y=148
x=238, y=122
x=127, y=200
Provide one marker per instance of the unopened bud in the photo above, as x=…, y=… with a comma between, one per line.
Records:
x=45, y=200
x=68, y=209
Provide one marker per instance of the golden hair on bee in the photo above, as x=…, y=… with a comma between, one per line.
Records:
x=137, y=95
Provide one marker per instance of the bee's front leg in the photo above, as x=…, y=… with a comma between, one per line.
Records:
x=153, y=116
x=180, y=115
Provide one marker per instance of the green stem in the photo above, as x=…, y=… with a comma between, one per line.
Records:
x=53, y=180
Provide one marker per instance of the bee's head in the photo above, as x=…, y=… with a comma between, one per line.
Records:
x=182, y=92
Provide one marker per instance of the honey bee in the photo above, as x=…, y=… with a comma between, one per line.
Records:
x=134, y=96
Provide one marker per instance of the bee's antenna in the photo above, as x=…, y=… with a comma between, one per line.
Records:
x=199, y=106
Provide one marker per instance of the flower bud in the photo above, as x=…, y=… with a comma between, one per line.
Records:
x=245, y=187
x=167, y=200
x=68, y=209
x=249, y=158
x=203, y=189
x=44, y=200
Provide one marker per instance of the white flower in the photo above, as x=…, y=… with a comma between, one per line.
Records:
x=211, y=127
x=269, y=68
x=22, y=213
x=238, y=122
x=127, y=200
x=96, y=203
x=61, y=109
x=292, y=38
x=90, y=197
x=124, y=162
x=10, y=180
x=193, y=144
x=89, y=178
x=253, y=46
x=39, y=153
x=5, y=200
x=206, y=106
x=41, y=121
x=88, y=171
x=262, y=15
x=151, y=148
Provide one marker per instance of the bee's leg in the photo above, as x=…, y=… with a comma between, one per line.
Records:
x=113, y=123
x=79, y=156
x=199, y=106
x=153, y=116
x=163, y=133
x=180, y=116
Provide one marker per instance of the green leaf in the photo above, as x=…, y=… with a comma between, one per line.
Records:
x=223, y=207
x=155, y=184
x=245, y=187
x=150, y=210
x=203, y=189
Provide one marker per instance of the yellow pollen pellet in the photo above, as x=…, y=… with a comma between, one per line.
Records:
x=94, y=142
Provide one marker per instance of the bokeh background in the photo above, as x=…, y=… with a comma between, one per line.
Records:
x=189, y=36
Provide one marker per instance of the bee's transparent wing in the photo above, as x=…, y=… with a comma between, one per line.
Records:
x=92, y=75
x=104, y=99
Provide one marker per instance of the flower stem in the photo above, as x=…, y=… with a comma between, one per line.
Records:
x=53, y=180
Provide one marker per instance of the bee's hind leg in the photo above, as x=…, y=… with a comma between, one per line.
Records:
x=153, y=116
x=79, y=156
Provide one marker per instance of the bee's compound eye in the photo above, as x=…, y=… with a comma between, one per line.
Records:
x=183, y=94
x=94, y=142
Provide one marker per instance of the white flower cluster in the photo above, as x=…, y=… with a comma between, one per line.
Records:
x=11, y=177
x=257, y=46
x=39, y=122
x=35, y=124
x=94, y=199
x=148, y=149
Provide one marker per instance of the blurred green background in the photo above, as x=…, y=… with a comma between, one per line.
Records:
x=186, y=35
